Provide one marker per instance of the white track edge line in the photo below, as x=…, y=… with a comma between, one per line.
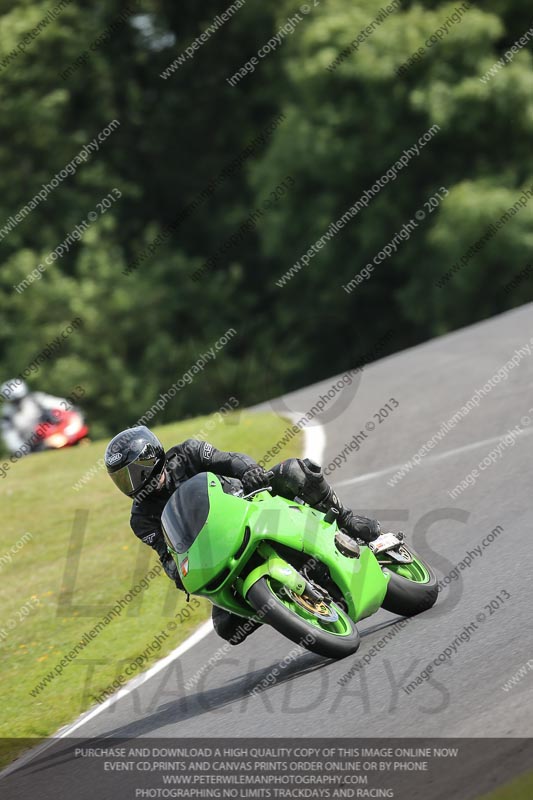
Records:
x=430, y=459
x=314, y=444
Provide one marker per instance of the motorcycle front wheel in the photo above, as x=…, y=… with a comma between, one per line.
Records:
x=321, y=627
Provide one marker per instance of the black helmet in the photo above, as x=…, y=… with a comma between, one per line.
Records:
x=134, y=458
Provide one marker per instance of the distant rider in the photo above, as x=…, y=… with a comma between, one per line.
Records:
x=138, y=465
x=22, y=412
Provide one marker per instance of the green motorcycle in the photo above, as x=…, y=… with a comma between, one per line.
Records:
x=282, y=563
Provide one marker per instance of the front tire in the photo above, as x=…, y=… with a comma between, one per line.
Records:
x=334, y=640
x=412, y=588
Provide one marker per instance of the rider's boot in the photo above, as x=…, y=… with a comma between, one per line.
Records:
x=231, y=627
x=353, y=524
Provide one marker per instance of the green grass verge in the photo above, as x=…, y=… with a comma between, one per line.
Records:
x=519, y=789
x=106, y=561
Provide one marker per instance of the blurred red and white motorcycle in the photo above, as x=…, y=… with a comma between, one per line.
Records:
x=60, y=429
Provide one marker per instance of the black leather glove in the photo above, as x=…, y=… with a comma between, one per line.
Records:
x=171, y=569
x=169, y=565
x=256, y=478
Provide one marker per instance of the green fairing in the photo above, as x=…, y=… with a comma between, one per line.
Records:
x=218, y=554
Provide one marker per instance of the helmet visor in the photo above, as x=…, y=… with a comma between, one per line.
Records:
x=134, y=476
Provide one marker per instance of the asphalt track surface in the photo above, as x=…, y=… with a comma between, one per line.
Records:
x=464, y=695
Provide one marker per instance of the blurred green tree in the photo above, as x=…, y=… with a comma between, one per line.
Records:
x=349, y=112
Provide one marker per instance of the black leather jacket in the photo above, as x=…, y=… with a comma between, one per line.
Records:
x=182, y=462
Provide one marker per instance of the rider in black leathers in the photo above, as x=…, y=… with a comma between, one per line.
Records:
x=140, y=468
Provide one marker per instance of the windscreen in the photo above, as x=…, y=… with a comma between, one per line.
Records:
x=186, y=513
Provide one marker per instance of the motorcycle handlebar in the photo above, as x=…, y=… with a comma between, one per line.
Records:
x=256, y=491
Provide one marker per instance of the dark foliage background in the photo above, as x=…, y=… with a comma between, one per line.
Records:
x=342, y=129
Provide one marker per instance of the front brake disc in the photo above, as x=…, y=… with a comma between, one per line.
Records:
x=318, y=609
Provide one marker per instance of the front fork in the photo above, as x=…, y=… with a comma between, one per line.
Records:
x=280, y=570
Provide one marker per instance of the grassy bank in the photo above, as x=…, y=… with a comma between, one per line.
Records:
x=68, y=557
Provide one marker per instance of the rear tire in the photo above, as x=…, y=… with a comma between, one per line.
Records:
x=275, y=612
x=406, y=596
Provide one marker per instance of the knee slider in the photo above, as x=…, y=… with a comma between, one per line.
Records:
x=310, y=467
x=303, y=478
x=315, y=488
x=289, y=478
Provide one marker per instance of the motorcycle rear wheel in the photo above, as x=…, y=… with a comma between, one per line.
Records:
x=412, y=588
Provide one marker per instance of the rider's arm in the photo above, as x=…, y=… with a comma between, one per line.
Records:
x=12, y=438
x=148, y=530
x=202, y=456
x=49, y=402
